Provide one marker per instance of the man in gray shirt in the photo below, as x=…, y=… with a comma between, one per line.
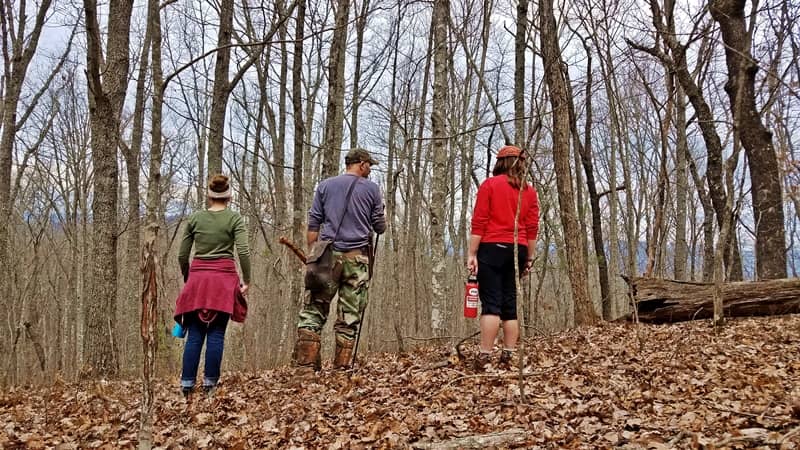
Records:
x=348, y=223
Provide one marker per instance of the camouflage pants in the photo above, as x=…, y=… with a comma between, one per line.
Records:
x=351, y=286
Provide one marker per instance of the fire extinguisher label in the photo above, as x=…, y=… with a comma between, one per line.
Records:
x=472, y=302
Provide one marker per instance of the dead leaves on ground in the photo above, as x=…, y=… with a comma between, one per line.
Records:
x=611, y=386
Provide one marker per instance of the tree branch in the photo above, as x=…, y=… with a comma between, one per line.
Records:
x=621, y=187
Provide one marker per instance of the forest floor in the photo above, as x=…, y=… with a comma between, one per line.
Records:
x=609, y=386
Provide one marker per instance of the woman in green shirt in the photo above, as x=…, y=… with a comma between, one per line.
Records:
x=212, y=293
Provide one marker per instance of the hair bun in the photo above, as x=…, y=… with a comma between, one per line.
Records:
x=219, y=183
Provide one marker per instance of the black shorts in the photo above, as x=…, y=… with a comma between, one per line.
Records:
x=496, y=285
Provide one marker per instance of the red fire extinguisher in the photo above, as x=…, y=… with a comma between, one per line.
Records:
x=471, y=298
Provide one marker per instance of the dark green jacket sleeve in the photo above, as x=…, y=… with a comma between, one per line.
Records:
x=242, y=246
x=185, y=249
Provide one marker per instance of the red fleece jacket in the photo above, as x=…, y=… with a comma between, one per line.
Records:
x=495, y=208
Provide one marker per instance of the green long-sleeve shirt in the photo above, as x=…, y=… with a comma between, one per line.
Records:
x=214, y=234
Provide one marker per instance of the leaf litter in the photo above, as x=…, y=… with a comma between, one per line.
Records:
x=610, y=386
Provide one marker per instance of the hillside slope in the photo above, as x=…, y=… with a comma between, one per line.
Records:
x=611, y=386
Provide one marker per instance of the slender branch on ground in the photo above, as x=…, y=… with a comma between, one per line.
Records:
x=502, y=376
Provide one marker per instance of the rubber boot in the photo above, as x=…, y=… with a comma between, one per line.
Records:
x=344, y=353
x=306, y=352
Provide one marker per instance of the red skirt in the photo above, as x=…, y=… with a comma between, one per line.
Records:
x=213, y=286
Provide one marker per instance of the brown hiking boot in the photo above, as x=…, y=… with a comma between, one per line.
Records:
x=506, y=358
x=481, y=360
x=306, y=349
x=344, y=353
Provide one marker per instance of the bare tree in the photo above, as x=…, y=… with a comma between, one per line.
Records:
x=520, y=46
x=551, y=56
x=223, y=85
x=625, y=142
x=681, y=185
x=19, y=45
x=767, y=191
x=108, y=81
x=708, y=220
x=222, y=88
x=332, y=141
x=677, y=62
x=132, y=155
x=360, y=27
x=412, y=154
x=150, y=263
x=584, y=150
x=71, y=175
x=441, y=12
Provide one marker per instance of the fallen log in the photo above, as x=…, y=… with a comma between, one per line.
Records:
x=665, y=301
x=503, y=439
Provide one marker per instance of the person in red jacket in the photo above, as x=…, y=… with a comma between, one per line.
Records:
x=491, y=249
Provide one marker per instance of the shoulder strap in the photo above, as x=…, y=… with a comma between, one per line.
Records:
x=346, y=204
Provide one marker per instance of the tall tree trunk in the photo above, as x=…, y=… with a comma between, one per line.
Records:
x=150, y=263
x=392, y=174
x=254, y=225
x=130, y=278
x=132, y=157
x=280, y=146
x=551, y=56
x=391, y=247
x=681, y=186
x=584, y=149
x=298, y=194
x=520, y=46
x=202, y=147
x=413, y=186
x=332, y=141
x=221, y=90
x=156, y=153
x=631, y=218
x=653, y=244
x=148, y=327
x=361, y=25
x=576, y=160
x=107, y=88
x=614, y=150
x=767, y=191
x=441, y=11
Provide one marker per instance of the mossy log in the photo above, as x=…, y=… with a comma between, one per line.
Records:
x=665, y=301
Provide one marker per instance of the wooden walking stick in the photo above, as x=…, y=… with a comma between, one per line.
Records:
x=363, y=313
x=294, y=248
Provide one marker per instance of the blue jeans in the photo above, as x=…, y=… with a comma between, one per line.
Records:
x=214, y=336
